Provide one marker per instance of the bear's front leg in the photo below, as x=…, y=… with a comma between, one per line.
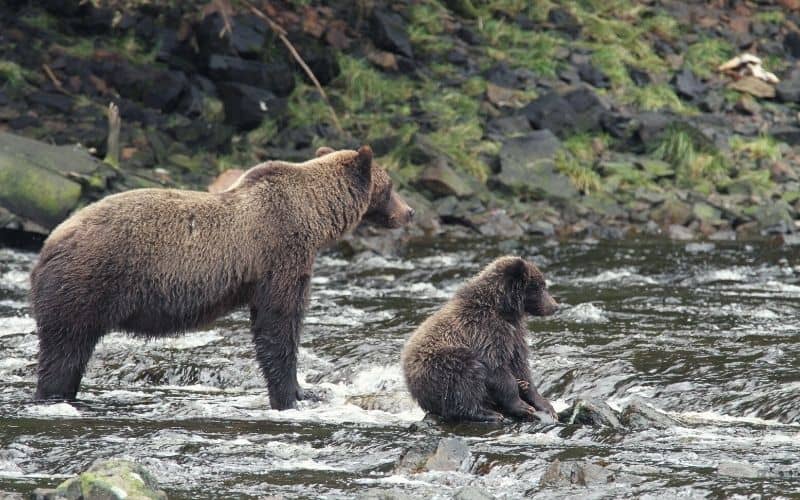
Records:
x=528, y=391
x=276, y=317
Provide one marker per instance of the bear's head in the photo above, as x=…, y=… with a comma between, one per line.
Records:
x=521, y=287
x=386, y=207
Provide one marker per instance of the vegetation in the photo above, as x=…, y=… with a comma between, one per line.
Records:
x=12, y=74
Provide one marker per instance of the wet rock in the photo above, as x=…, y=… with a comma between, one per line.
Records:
x=11, y=495
x=672, y=211
x=688, y=85
x=472, y=493
x=246, y=106
x=706, y=213
x=382, y=401
x=388, y=31
x=560, y=474
x=445, y=454
x=276, y=77
x=41, y=184
x=639, y=416
x=753, y=86
x=441, y=180
x=590, y=411
x=541, y=228
x=107, y=480
x=527, y=164
x=380, y=494
x=740, y=470
x=452, y=454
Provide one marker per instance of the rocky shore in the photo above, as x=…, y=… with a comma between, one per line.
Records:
x=552, y=119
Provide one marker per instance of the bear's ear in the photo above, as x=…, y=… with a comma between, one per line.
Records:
x=364, y=162
x=517, y=270
x=323, y=150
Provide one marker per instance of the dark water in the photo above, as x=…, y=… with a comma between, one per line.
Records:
x=709, y=334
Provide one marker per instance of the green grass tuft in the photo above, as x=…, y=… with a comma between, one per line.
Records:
x=582, y=176
x=654, y=97
x=705, y=56
x=695, y=163
x=12, y=74
x=762, y=147
x=771, y=17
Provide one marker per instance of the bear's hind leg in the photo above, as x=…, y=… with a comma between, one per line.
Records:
x=62, y=362
x=503, y=390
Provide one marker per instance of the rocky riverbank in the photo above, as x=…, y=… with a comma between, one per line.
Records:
x=496, y=118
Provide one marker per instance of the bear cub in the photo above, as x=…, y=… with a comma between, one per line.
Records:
x=469, y=360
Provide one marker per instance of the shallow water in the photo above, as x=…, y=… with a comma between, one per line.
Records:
x=707, y=333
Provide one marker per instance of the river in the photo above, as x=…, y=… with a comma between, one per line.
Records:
x=708, y=333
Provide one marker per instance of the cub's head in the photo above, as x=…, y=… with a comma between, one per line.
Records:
x=520, y=287
x=386, y=207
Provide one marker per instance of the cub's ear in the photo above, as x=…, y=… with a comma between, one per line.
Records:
x=517, y=270
x=364, y=162
x=323, y=150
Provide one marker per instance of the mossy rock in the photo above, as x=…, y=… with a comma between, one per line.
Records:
x=42, y=183
x=107, y=480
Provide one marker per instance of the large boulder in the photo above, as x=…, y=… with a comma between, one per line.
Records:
x=41, y=184
x=527, y=165
x=446, y=454
x=388, y=31
x=579, y=110
x=107, y=480
x=247, y=106
x=275, y=77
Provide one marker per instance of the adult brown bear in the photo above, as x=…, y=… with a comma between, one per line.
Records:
x=155, y=262
x=469, y=360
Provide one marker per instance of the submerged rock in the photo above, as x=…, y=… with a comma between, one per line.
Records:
x=472, y=493
x=107, y=480
x=638, y=416
x=560, y=474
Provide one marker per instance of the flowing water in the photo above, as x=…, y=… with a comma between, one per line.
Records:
x=709, y=334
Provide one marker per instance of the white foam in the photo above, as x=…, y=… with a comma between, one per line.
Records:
x=700, y=247
x=711, y=416
x=190, y=340
x=13, y=325
x=585, y=313
x=627, y=275
x=53, y=410
x=16, y=278
x=730, y=274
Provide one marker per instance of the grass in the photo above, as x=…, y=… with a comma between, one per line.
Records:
x=764, y=147
x=533, y=50
x=771, y=17
x=706, y=55
x=12, y=74
x=656, y=97
x=696, y=163
x=582, y=176
x=582, y=146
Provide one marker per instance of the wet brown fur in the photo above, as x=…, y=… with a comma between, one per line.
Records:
x=469, y=360
x=155, y=262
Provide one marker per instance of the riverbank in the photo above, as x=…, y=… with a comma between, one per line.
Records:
x=552, y=119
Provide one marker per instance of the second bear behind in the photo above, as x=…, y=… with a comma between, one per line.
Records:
x=469, y=360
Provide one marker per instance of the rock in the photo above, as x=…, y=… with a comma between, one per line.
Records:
x=787, y=134
x=502, y=96
x=446, y=454
x=472, y=493
x=723, y=235
x=706, y=213
x=740, y=470
x=640, y=77
x=560, y=474
x=389, y=402
x=563, y=20
x=578, y=110
x=753, y=86
x=640, y=416
x=388, y=31
x=747, y=105
x=541, y=228
x=791, y=42
x=788, y=90
x=441, y=180
x=592, y=412
x=504, y=127
x=452, y=454
x=775, y=217
x=681, y=233
x=527, y=164
x=41, y=184
x=688, y=85
x=276, y=77
x=672, y=211
x=498, y=223
x=58, y=102
x=107, y=480
x=246, y=106
x=247, y=37
x=593, y=76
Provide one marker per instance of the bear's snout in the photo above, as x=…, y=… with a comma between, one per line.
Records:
x=549, y=305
